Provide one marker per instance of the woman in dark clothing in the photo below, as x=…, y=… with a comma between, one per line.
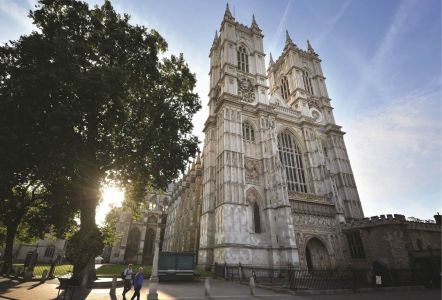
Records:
x=138, y=283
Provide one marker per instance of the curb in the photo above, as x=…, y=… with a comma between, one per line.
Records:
x=355, y=291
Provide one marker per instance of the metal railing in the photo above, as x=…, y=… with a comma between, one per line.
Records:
x=52, y=270
x=263, y=276
x=295, y=279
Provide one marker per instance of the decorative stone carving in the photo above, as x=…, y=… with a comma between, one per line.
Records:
x=246, y=90
x=253, y=169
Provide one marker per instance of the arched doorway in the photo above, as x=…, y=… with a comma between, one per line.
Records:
x=133, y=243
x=149, y=242
x=317, y=255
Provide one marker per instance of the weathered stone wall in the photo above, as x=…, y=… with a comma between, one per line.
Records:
x=183, y=222
x=393, y=240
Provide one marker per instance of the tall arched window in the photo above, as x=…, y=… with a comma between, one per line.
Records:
x=256, y=218
x=291, y=158
x=307, y=82
x=285, y=88
x=243, y=59
x=248, y=133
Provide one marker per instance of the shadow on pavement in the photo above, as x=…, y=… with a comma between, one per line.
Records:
x=73, y=293
x=4, y=297
x=6, y=284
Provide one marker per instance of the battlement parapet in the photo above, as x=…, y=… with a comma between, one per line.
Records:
x=389, y=219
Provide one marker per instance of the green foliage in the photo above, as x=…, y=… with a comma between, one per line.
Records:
x=83, y=99
x=108, y=230
x=84, y=244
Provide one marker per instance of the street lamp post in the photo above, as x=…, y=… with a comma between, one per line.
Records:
x=153, y=283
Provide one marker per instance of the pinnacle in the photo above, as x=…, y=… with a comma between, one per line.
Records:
x=288, y=40
x=309, y=47
x=227, y=13
x=254, y=24
x=216, y=36
x=198, y=158
x=271, y=59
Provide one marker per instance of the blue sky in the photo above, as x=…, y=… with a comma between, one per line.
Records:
x=382, y=61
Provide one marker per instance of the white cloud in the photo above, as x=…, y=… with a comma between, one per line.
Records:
x=18, y=14
x=373, y=71
x=395, y=152
x=320, y=38
x=280, y=29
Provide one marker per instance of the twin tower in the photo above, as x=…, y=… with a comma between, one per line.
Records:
x=277, y=184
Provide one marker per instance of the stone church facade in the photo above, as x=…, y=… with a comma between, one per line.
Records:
x=135, y=242
x=274, y=183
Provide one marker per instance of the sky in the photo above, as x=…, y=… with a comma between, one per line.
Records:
x=382, y=61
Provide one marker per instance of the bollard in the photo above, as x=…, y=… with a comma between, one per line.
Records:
x=8, y=273
x=252, y=286
x=207, y=287
x=114, y=285
x=153, y=290
x=44, y=275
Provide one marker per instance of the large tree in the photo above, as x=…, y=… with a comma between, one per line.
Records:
x=124, y=113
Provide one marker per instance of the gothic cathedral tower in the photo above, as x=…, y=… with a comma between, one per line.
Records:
x=246, y=215
x=277, y=181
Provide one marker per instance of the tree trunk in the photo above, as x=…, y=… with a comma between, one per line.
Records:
x=90, y=197
x=11, y=230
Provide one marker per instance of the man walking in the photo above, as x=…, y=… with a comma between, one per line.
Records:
x=138, y=283
x=127, y=278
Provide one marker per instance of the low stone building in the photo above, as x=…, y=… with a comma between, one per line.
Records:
x=47, y=250
x=394, y=241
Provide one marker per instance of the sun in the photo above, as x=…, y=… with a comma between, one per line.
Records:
x=112, y=195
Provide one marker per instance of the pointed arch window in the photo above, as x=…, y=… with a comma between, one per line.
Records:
x=248, y=133
x=307, y=82
x=291, y=159
x=285, y=91
x=256, y=218
x=243, y=59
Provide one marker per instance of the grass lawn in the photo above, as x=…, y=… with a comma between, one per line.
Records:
x=60, y=270
x=116, y=269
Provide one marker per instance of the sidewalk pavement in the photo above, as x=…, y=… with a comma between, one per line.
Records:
x=221, y=290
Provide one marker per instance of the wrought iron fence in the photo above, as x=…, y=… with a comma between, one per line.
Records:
x=328, y=279
x=263, y=276
x=49, y=270
x=295, y=279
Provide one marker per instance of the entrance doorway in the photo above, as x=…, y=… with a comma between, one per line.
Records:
x=317, y=255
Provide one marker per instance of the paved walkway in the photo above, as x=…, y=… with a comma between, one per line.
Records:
x=221, y=290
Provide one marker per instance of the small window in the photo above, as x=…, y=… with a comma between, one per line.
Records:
x=248, y=133
x=285, y=91
x=307, y=82
x=355, y=244
x=50, y=250
x=243, y=59
x=256, y=218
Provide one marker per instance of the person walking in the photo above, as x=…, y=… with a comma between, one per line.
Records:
x=138, y=283
x=127, y=279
